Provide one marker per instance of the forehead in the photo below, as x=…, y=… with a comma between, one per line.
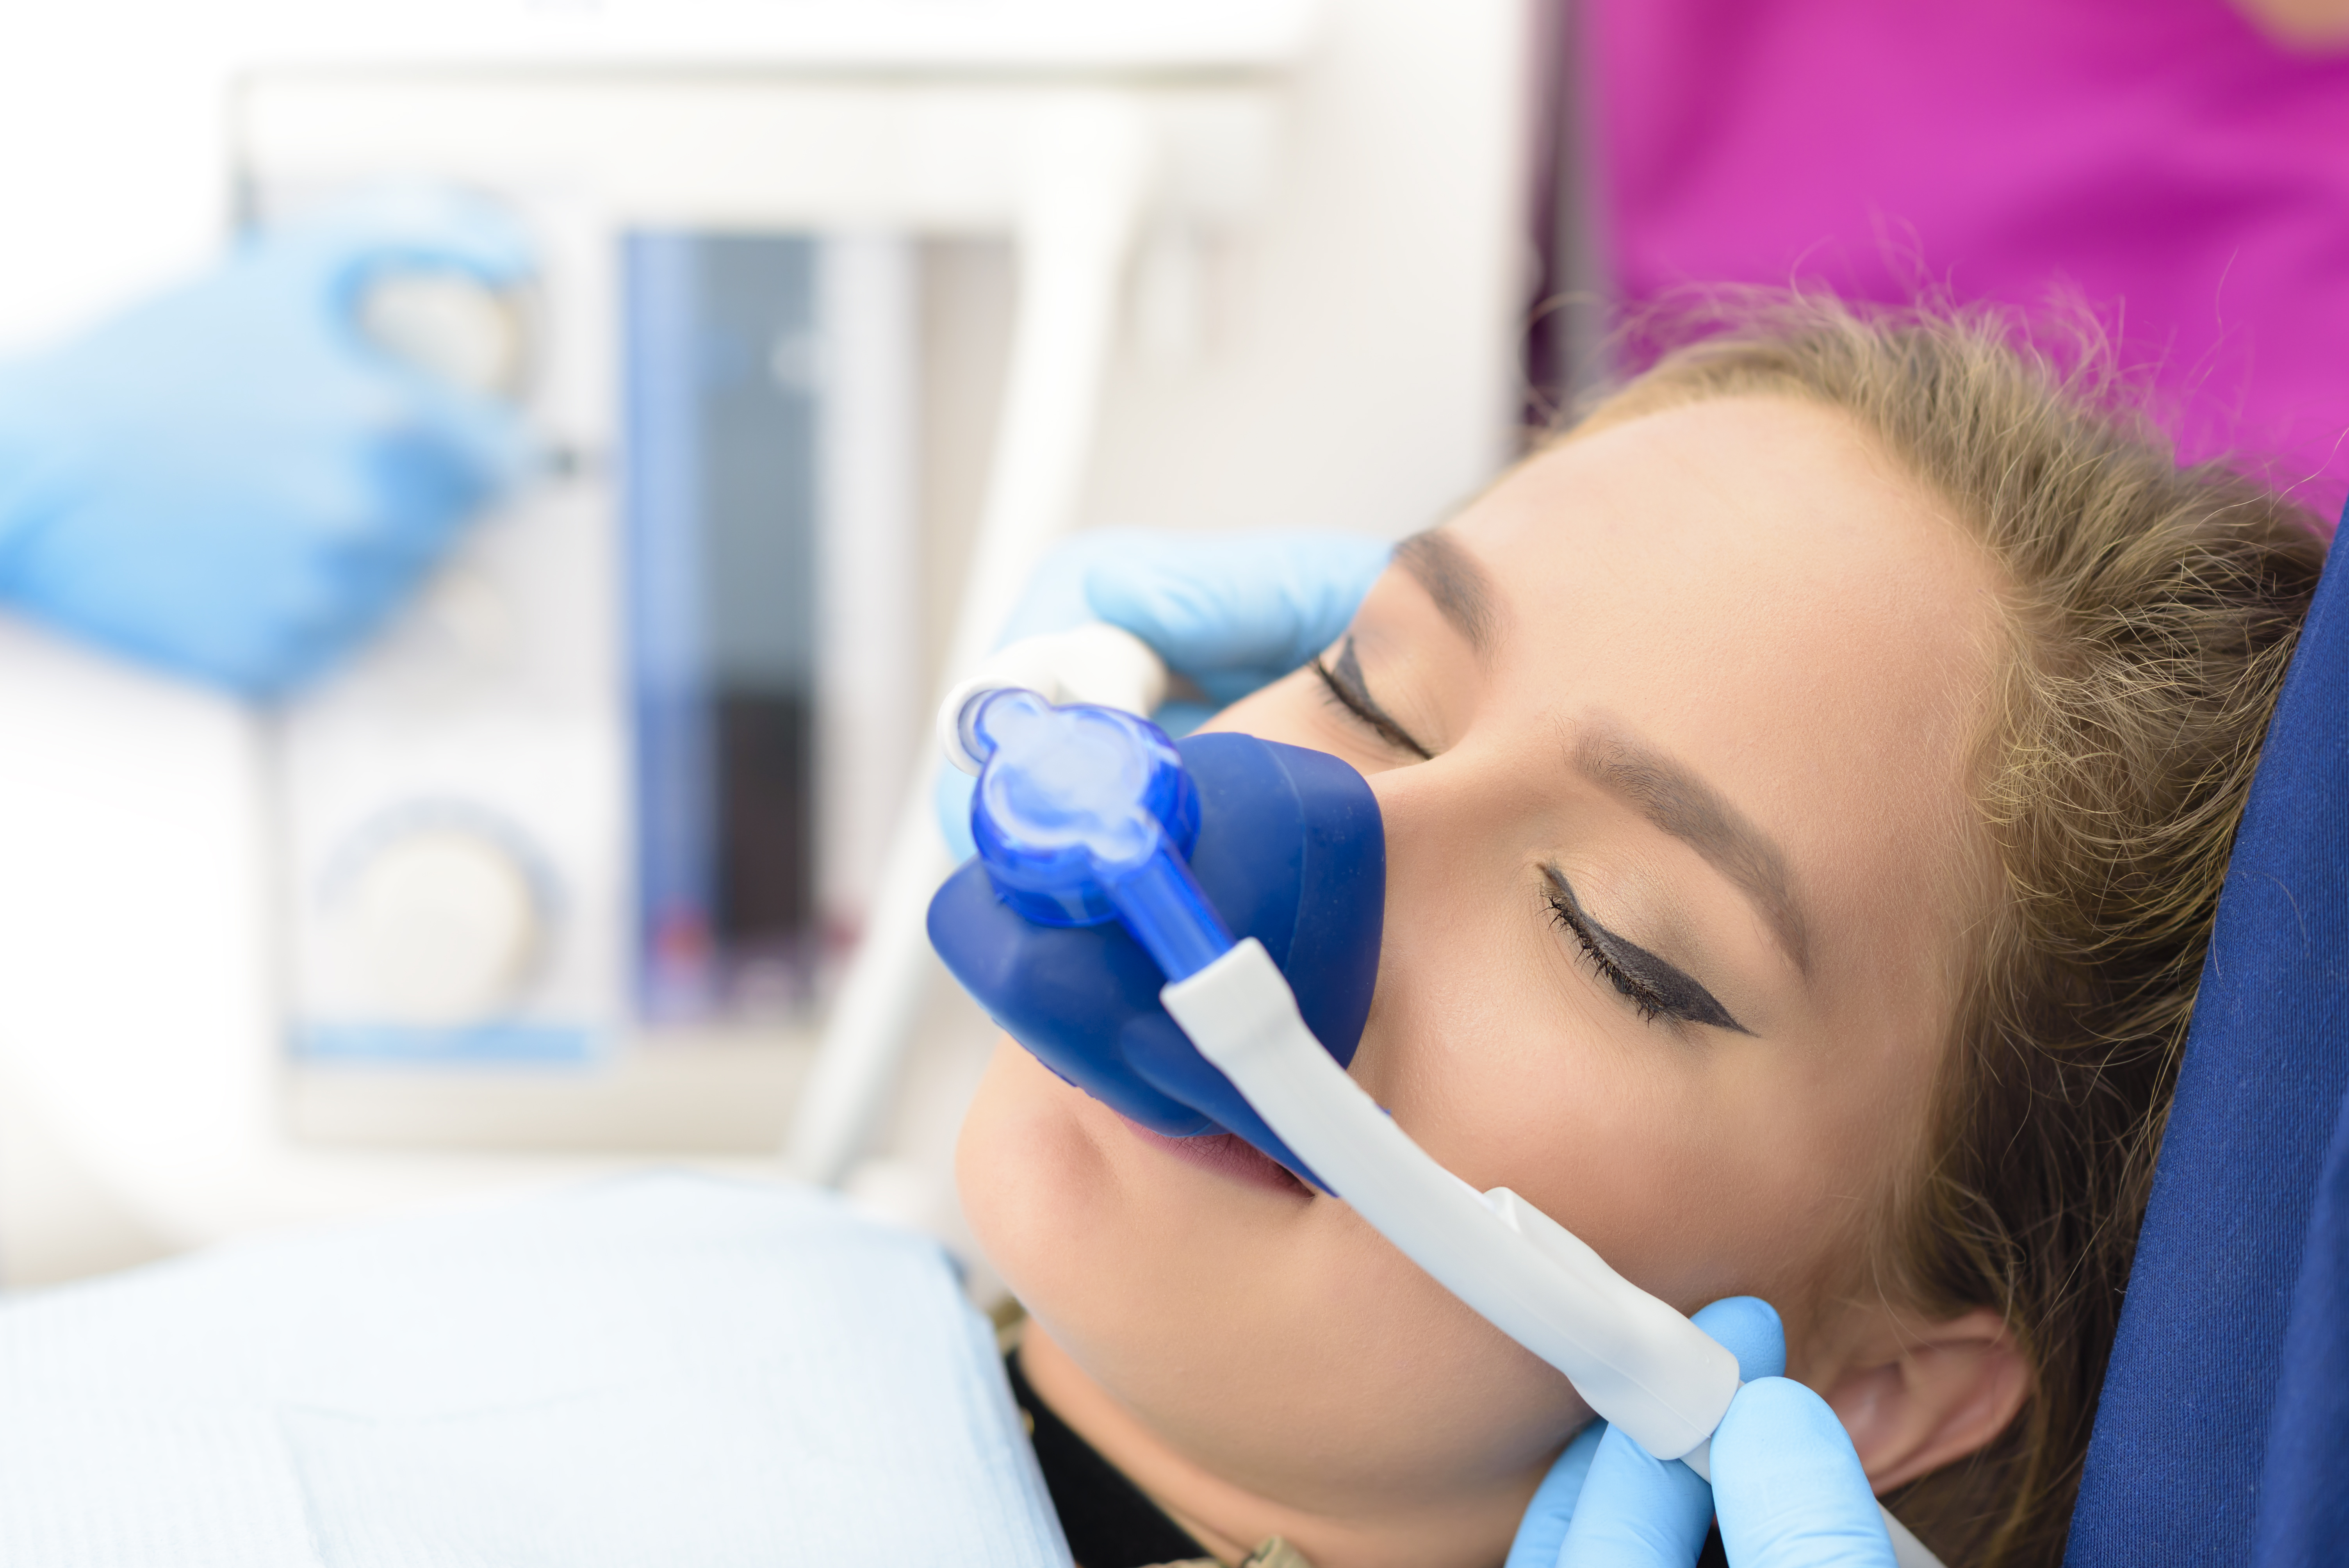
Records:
x=1763, y=592
x=1734, y=499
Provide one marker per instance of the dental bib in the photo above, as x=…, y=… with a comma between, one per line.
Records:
x=1190, y=934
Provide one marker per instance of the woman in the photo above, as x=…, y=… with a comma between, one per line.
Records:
x=1807, y=787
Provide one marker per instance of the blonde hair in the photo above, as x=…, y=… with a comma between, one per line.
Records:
x=2153, y=611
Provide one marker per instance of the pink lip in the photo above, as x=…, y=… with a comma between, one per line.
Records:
x=1225, y=1154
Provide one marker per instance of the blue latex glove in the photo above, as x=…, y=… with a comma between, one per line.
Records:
x=1748, y=1327
x=1231, y=611
x=231, y=481
x=1788, y=1487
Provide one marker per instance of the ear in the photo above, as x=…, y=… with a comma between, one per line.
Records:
x=1914, y=1401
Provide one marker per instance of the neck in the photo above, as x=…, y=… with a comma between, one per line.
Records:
x=1230, y=1520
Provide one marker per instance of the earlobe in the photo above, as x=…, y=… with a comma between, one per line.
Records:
x=1930, y=1398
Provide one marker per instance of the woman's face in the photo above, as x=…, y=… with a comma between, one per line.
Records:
x=1669, y=730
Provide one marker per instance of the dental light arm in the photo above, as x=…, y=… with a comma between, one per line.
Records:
x=1083, y=815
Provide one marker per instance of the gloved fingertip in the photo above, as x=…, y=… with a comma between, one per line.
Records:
x=1771, y=1412
x=1263, y=602
x=1542, y=1532
x=1748, y=1327
x=483, y=445
x=1637, y=1511
x=1788, y=1485
x=1357, y=560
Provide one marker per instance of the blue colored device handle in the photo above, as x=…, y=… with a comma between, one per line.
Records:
x=1088, y=817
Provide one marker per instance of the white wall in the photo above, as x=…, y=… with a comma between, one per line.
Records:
x=1394, y=265
x=110, y=165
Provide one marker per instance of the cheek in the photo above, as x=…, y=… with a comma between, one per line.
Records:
x=1030, y=1178
x=1699, y=1165
x=1695, y=1179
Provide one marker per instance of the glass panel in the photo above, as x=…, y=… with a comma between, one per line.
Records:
x=720, y=520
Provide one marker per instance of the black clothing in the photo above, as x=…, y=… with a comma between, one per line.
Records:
x=1109, y=1522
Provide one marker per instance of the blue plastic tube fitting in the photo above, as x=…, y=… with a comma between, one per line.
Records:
x=1083, y=814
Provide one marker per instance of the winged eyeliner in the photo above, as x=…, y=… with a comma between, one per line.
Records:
x=1656, y=983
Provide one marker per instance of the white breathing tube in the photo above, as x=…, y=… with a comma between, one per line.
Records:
x=1637, y=1362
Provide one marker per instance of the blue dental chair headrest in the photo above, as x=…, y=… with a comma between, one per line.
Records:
x=2222, y=1435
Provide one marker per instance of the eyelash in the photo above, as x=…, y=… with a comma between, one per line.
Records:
x=1649, y=1003
x=1650, y=1006
x=1384, y=728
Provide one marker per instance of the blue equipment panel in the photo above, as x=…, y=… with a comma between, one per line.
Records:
x=721, y=514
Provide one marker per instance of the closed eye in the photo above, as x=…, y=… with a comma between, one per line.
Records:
x=1655, y=985
x=1343, y=684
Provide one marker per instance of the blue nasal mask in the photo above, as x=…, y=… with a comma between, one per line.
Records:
x=1111, y=860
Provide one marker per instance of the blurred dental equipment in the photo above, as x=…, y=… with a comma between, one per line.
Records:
x=564, y=870
x=608, y=807
x=1090, y=825
x=239, y=480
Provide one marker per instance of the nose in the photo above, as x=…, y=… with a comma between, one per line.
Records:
x=1442, y=820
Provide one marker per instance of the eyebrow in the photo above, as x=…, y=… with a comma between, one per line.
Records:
x=1681, y=803
x=1458, y=584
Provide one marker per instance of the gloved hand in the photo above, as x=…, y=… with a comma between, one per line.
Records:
x=1786, y=1485
x=231, y=481
x=1231, y=611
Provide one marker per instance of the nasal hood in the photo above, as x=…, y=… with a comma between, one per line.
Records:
x=1290, y=849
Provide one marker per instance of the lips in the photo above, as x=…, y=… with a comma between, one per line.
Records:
x=1225, y=1154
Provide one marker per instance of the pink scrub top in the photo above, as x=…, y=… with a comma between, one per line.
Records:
x=2159, y=159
